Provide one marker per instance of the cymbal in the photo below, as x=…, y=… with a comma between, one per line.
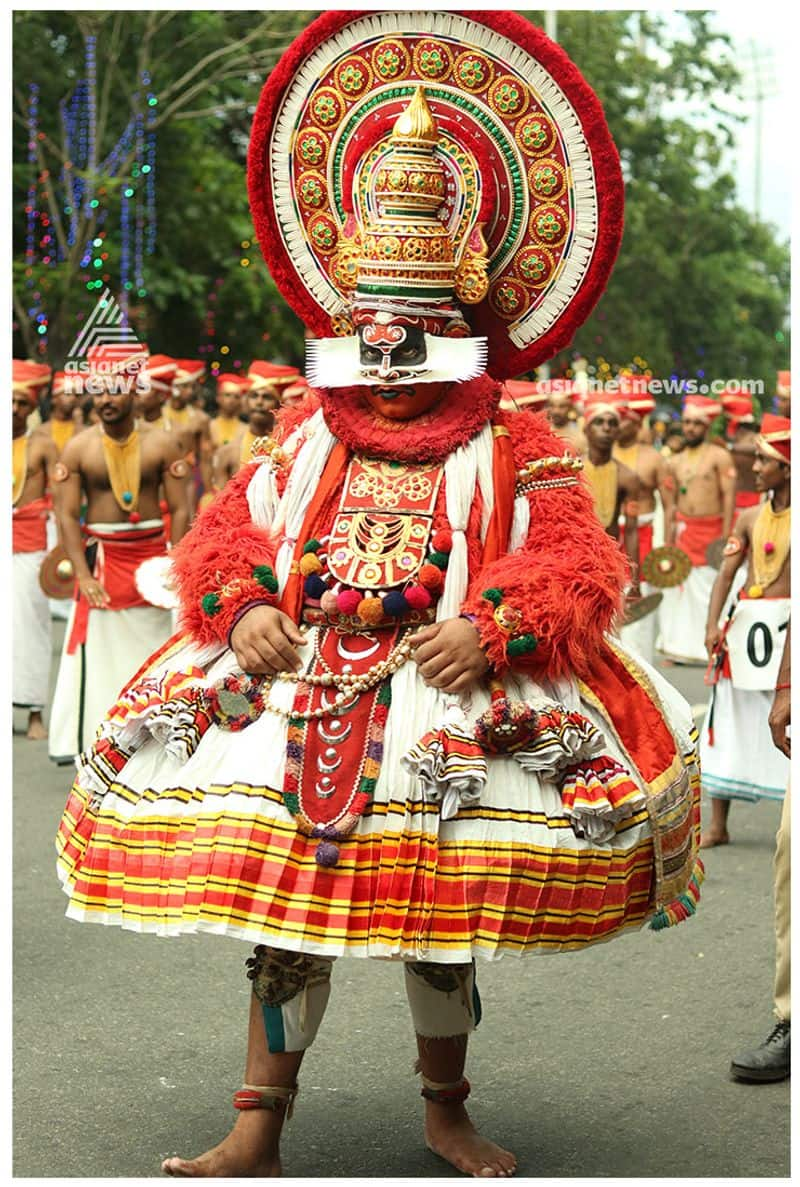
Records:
x=641, y=607
x=56, y=575
x=666, y=566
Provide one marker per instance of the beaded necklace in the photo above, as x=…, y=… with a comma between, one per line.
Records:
x=603, y=480
x=20, y=466
x=771, y=543
x=124, y=462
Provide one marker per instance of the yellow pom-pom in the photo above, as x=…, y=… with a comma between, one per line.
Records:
x=755, y=591
x=370, y=610
x=310, y=563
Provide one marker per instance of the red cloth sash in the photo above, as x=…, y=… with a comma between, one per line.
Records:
x=29, y=526
x=695, y=533
x=747, y=498
x=118, y=557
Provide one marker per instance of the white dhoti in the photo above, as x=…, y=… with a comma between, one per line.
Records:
x=89, y=681
x=682, y=617
x=32, y=642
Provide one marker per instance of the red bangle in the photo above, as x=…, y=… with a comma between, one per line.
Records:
x=781, y=687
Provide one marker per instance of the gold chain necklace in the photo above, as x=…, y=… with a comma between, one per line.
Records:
x=603, y=480
x=20, y=467
x=772, y=534
x=124, y=462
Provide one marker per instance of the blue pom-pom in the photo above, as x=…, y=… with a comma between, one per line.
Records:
x=327, y=854
x=314, y=586
x=395, y=604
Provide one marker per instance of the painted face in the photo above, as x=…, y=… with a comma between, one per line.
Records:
x=392, y=354
x=769, y=472
x=404, y=402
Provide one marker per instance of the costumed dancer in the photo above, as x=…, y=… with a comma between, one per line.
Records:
x=33, y=456
x=742, y=431
x=119, y=468
x=615, y=488
x=704, y=487
x=745, y=644
x=634, y=404
x=357, y=786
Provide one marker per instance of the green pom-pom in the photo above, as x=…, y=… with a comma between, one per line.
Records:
x=367, y=786
x=292, y=802
x=522, y=645
x=211, y=604
x=440, y=559
x=495, y=596
x=265, y=576
x=311, y=546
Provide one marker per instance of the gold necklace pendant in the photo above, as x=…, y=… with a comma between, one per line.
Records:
x=124, y=462
x=772, y=540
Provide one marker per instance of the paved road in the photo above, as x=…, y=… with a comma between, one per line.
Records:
x=609, y=1062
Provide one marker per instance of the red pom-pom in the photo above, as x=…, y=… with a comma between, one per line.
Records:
x=442, y=540
x=431, y=577
x=370, y=610
x=134, y=517
x=347, y=601
x=418, y=598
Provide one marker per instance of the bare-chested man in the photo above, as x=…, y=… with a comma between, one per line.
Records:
x=66, y=418
x=261, y=402
x=33, y=456
x=119, y=467
x=654, y=482
x=705, y=486
x=227, y=424
x=742, y=432
x=615, y=488
x=179, y=413
x=738, y=759
x=561, y=414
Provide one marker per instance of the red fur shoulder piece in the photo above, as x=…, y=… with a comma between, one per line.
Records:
x=293, y=415
x=222, y=549
x=430, y=437
x=565, y=582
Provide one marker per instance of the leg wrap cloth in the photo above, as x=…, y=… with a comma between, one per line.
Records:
x=443, y=998
x=293, y=990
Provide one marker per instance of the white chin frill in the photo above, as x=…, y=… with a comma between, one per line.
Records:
x=334, y=362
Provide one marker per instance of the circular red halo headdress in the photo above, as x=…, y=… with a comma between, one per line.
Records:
x=450, y=170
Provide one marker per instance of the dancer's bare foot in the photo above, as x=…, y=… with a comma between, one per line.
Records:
x=450, y=1134
x=710, y=839
x=249, y=1151
x=36, y=728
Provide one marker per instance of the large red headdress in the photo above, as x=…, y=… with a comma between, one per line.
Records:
x=449, y=171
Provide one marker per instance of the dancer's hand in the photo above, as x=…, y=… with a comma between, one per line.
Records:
x=449, y=655
x=95, y=594
x=713, y=636
x=264, y=640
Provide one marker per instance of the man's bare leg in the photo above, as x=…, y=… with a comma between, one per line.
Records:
x=448, y=1129
x=251, y=1148
x=717, y=832
x=36, y=728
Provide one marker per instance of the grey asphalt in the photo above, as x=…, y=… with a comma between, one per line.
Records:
x=608, y=1062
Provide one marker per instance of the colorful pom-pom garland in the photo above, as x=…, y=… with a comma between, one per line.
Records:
x=374, y=608
x=262, y=581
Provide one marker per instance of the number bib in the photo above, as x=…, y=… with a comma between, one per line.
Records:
x=755, y=642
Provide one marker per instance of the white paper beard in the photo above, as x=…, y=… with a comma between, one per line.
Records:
x=335, y=362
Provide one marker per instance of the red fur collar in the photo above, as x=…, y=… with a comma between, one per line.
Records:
x=427, y=438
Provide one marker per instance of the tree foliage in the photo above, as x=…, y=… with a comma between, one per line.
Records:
x=699, y=284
